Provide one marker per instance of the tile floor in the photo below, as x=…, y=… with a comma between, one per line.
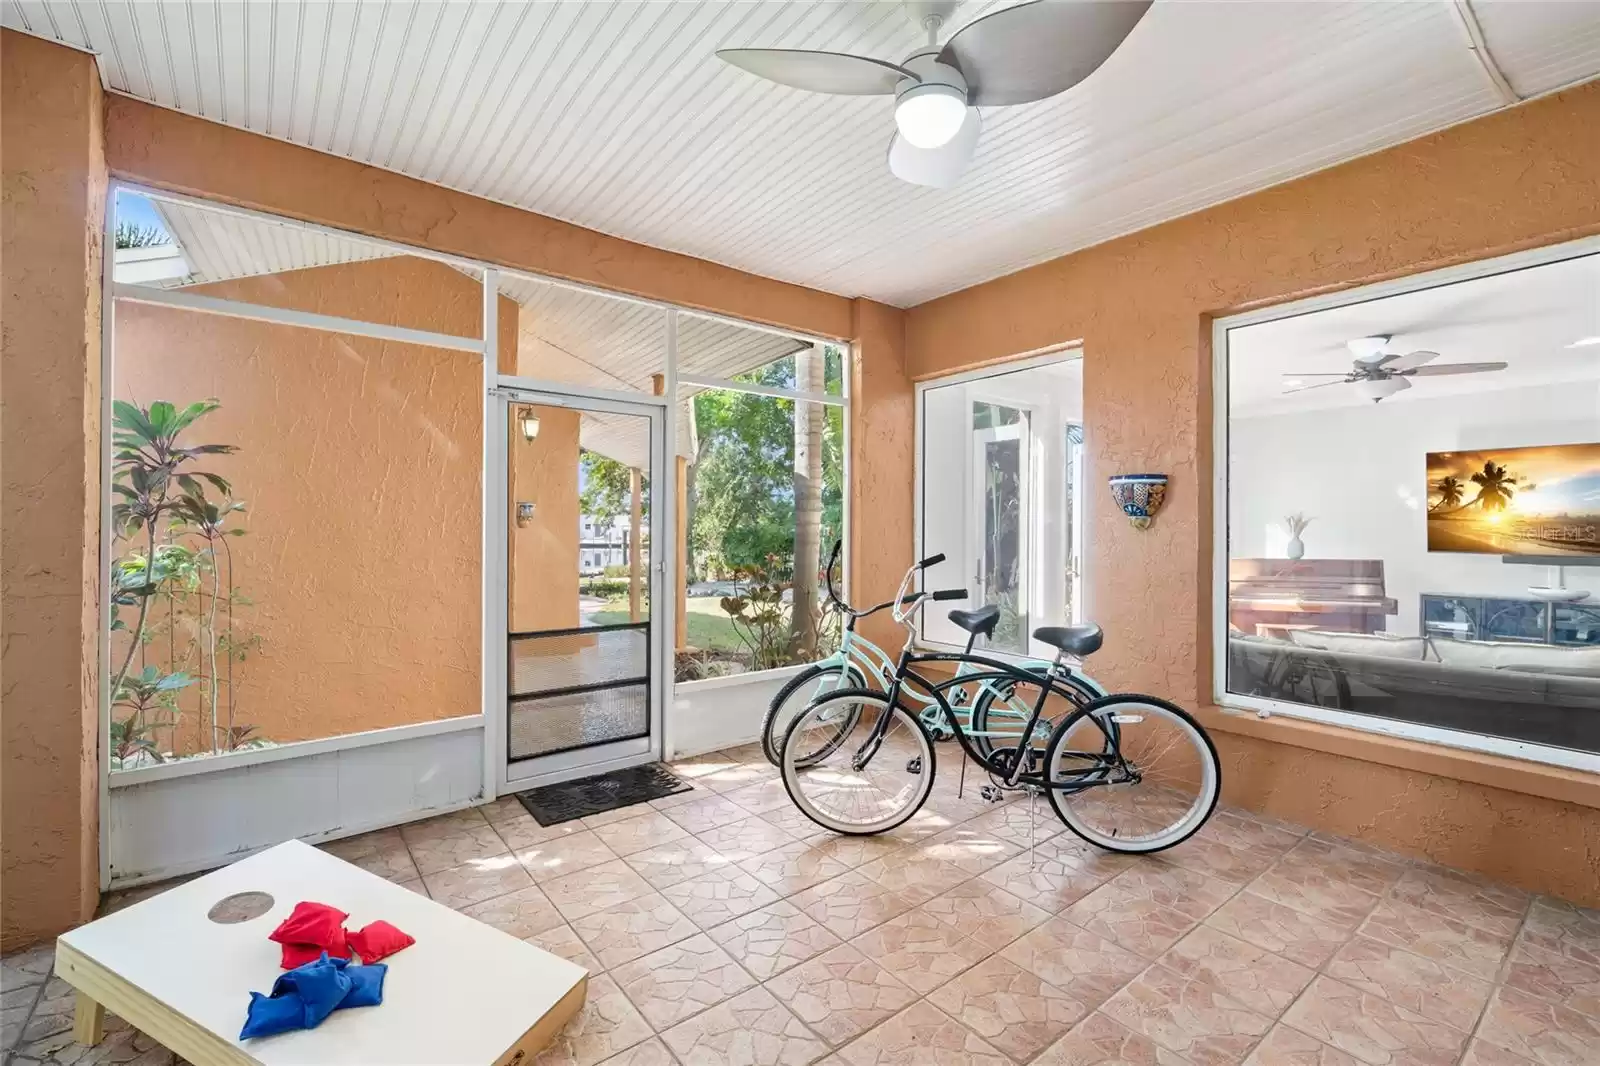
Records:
x=723, y=928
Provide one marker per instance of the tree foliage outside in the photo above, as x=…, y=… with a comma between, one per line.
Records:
x=604, y=488
x=767, y=484
x=132, y=235
x=742, y=492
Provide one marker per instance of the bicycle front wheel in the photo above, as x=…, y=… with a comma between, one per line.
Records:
x=1132, y=774
x=844, y=775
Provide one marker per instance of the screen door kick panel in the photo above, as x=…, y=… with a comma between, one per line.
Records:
x=576, y=688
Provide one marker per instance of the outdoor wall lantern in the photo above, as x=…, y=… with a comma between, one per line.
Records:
x=530, y=424
x=1139, y=496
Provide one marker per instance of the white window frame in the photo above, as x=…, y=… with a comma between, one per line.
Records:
x=492, y=639
x=1263, y=707
x=1050, y=356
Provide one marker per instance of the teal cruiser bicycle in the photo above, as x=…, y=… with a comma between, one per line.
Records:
x=1127, y=772
x=989, y=710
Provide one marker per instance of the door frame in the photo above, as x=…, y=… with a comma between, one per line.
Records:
x=562, y=766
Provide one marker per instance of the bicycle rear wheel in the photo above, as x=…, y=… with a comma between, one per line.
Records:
x=806, y=686
x=843, y=776
x=1132, y=773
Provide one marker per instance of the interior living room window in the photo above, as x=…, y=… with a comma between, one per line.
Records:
x=1411, y=503
x=1001, y=465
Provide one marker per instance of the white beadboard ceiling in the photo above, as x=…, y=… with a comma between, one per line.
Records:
x=617, y=116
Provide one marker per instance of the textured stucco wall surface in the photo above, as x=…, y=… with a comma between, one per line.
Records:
x=51, y=221
x=882, y=465
x=1546, y=845
x=1142, y=307
x=359, y=463
x=543, y=555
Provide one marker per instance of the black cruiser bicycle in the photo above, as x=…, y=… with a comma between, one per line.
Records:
x=1126, y=772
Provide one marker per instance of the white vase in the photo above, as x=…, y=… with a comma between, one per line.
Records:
x=1297, y=547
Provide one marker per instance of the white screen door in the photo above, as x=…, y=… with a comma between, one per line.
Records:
x=584, y=677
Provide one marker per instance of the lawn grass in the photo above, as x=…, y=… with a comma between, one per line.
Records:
x=709, y=626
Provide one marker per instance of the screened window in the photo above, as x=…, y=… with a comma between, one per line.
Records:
x=763, y=496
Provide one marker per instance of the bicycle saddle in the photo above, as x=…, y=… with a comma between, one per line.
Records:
x=1081, y=640
x=980, y=622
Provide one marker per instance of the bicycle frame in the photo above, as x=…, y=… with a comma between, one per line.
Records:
x=987, y=673
x=875, y=663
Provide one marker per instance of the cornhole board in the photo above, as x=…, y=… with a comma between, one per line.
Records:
x=464, y=993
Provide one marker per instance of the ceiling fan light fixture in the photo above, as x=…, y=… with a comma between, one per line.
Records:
x=1376, y=389
x=929, y=115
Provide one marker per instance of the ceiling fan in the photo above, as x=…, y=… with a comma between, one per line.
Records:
x=1379, y=373
x=1014, y=56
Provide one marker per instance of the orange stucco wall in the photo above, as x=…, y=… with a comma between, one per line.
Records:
x=883, y=461
x=359, y=464
x=542, y=581
x=51, y=221
x=1142, y=306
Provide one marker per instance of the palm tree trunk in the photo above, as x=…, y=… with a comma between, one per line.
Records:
x=808, y=417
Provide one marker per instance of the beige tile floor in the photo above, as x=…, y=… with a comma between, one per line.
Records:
x=723, y=928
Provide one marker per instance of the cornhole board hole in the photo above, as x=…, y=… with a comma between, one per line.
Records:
x=180, y=967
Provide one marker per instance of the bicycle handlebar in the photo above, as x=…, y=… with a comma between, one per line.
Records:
x=949, y=594
x=932, y=560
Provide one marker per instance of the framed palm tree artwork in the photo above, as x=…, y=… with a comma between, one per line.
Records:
x=1543, y=500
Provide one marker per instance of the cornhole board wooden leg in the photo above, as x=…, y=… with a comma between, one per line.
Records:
x=88, y=1021
x=546, y=1029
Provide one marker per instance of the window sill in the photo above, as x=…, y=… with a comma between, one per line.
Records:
x=1482, y=768
x=782, y=673
x=299, y=749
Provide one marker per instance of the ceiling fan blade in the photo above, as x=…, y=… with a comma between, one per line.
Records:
x=942, y=167
x=1319, y=374
x=1454, y=368
x=819, y=72
x=1034, y=50
x=1318, y=385
x=1409, y=361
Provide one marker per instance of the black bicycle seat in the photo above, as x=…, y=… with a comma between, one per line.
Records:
x=980, y=622
x=1081, y=640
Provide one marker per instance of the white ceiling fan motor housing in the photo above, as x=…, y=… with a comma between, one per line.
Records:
x=930, y=112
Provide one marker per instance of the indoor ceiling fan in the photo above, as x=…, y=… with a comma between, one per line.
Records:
x=1379, y=373
x=1014, y=56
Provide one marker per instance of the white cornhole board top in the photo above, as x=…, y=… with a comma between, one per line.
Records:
x=463, y=993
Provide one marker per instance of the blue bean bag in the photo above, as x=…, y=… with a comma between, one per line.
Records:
x=304, y=996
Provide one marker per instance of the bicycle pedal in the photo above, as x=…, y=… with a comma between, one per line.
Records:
x=991, y=793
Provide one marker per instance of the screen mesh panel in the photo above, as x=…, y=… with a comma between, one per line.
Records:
x=544, y=661
x=544, y=725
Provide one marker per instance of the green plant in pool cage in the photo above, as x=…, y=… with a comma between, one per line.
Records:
x=148, y=701
x=177, y=520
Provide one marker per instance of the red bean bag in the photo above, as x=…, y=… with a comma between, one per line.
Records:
x=379, y=940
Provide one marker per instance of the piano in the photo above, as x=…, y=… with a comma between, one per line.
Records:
x=1271, y=597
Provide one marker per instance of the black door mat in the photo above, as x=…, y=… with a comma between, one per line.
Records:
x=554, y=804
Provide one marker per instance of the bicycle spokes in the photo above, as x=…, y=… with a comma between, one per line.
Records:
x=1142, y=777
x=867, y=777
